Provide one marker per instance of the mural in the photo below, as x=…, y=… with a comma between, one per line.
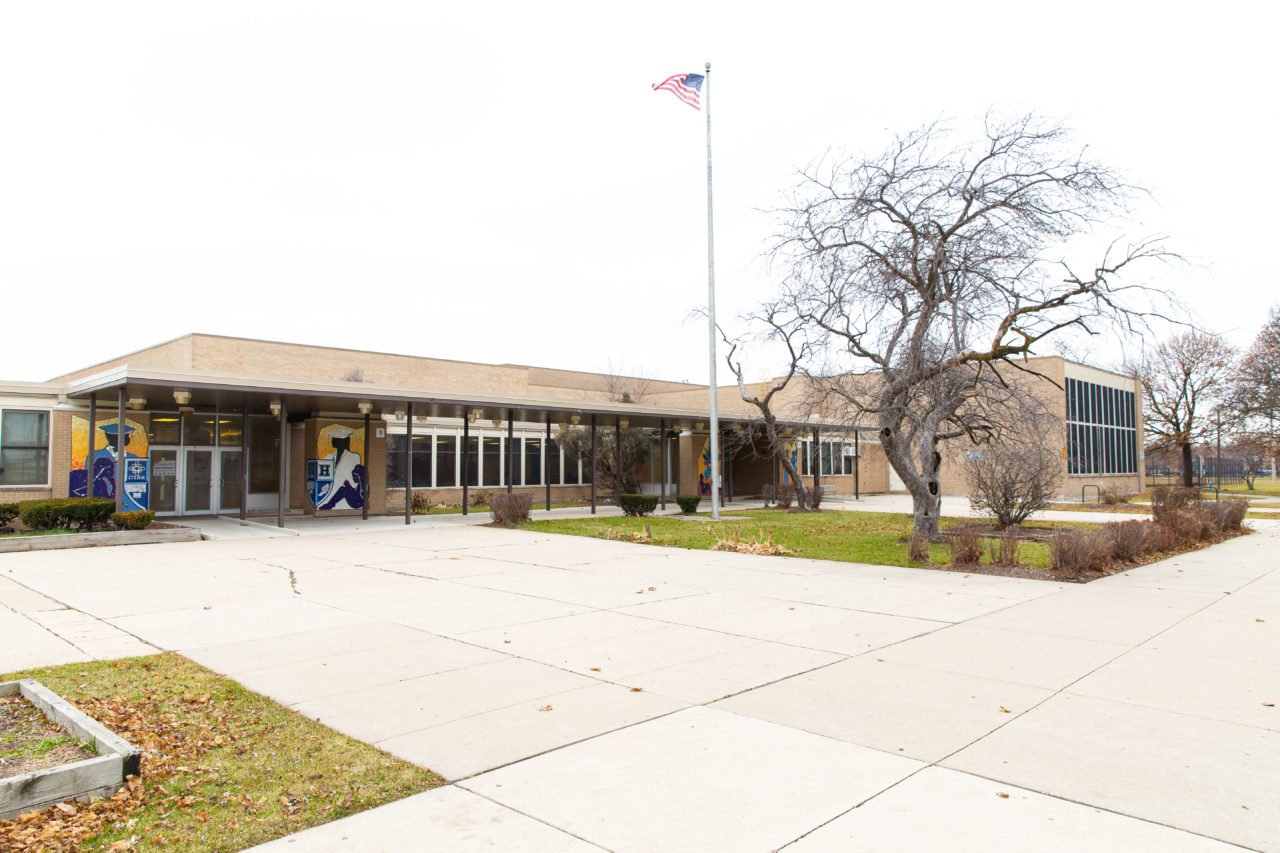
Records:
x=336, y=476
x=99, y=450
x=704, y=468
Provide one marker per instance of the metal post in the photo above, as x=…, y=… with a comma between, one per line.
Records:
x=466, y=461
x=711, y=313
x=1217, y=463
x=662, y=462
x=93, y=435
x=408, y=464
x=244, y=461
x=284, y=463
x=511, y=445
x=617, y=463
x=815, y=459
x=364, y=486
x=593, y=464
x=120, y=437
x=857, y=468
x=546, y=462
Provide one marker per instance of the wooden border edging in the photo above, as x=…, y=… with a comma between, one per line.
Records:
x=59, y=541
x=100, y=776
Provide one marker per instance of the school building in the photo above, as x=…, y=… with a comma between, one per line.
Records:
x=206, y=424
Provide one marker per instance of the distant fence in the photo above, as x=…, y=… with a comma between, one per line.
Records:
x=1204, y=473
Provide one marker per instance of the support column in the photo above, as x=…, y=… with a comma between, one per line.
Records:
x=364, y=486
x=244, y=461
x=120, y=441
x=546, y=462
x=93, y=435
x=408, y=464
x=282, y=474
x=511, y=444
x=815, y=459
x=857, y=468
x=593, y=465
x=662, y=462
x=617, y=463
x=466, y=462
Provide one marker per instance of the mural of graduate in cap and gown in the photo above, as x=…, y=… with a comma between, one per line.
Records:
x=93, y=461
x=337, y=475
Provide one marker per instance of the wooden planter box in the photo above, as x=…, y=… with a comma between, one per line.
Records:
x=100, y=776
x=95, y=540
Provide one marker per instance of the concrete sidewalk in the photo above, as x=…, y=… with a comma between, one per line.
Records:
x=584, y=694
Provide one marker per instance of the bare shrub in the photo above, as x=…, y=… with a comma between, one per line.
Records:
x=786, y=495
x=1077, y=552
x=419, y=504
x=1129, y=538
x=510, y=510
x=479, y=498
x=965, y=547
x=1010, y=480
x=1002, y=550
x=1160, y=539
x=1167, y=498
x=1186, y=526
x=1232, y=513
x=1113, y=497
x=918, y=548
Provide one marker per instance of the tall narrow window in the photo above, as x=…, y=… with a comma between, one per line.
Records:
x=446, y=461
x=492, y=460
x=533, y=462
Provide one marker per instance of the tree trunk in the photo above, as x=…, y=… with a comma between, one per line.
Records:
x=1188, y=478
x=925, y=492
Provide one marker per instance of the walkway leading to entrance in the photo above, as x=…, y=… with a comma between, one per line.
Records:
x=586, y=694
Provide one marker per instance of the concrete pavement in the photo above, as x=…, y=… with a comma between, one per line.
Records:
x=584, y=694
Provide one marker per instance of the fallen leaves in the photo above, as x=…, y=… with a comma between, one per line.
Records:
x=546, y=708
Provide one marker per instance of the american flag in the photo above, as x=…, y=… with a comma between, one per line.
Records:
x=686, y=87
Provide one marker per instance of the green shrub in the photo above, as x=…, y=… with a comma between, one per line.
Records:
x=638, y=504
x=137, y=520
x=510, y=510
x=688, y=503
x=8, y=512
x=73, y=513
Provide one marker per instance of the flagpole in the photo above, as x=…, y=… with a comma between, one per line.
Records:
x=711, y=313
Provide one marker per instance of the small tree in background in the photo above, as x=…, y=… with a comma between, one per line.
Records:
x=1255, y=399
x=1010, y=479
x=637, y=448
x=1182, y=379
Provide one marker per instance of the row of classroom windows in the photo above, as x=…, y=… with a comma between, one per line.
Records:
x=1091, y=403
x=437, y=461
x=1101, y=450
x=834, y=458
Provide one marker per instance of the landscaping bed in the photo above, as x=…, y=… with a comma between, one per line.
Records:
x=222, y=768
x=30, y=741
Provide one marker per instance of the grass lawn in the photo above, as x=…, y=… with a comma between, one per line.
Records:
x=1262, y=487
x=852, y=537
x=56, y=531
x=222, y=768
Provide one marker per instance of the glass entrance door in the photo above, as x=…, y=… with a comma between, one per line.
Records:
x=164, y=480
x=230, y=480
x=197, y=481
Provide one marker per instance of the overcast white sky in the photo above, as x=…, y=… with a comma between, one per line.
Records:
x=497, y=182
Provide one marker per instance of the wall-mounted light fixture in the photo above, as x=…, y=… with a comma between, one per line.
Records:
x=365, y=407
x=475, y=415
x=699, y=426
x=137, y=403
x=623, y=423
x=575, y=419
x=399, y=413
x=275, y=408
x=182, y=397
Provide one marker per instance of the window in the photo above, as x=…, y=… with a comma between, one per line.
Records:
x=1102, y=436
x=446, y=461
x=553, y=462
x=24, y=448
x=166, y=428
x=420, y=459
x=532, y=461
x=492, y=461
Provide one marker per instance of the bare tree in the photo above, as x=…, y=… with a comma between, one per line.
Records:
x=1255, y=395
x=625, y=389
x=925, y=276
x=1016, y=475
x=789, y=334
x=1182, y=379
